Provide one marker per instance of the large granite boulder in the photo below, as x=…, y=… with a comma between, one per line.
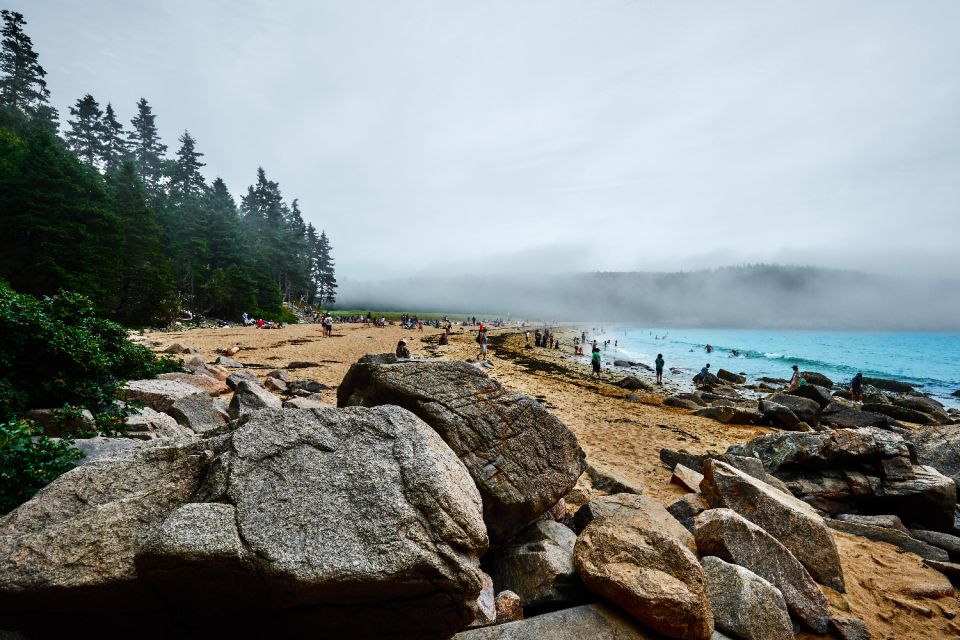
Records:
x=147, y=424
x=323, y=522
x=897, y=412
x=818, y=379
x=200, y=413
x=839, y=416
x=778, y=415
x=159, y=395
x=731, y=537
x=805, y=409
x=537, y=565
x=593, y=621
x=627, y=505
x=889, y=385
x=749, y=464
x=820, y=395
x=206, y=383
x=249, y=397
x=892, y=536
x=791, y=521
x=650, y=575
x=925, y=405
x=522, y=458
x=939, y=447
x=730, y=415
x=729, y=376
x=843, y=447
x=744, y=604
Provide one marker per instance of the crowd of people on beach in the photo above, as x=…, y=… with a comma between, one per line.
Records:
x=260, y=323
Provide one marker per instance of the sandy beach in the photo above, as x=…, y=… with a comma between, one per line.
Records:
x=891, y=591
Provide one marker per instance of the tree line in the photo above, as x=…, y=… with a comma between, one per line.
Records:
x=104, y=211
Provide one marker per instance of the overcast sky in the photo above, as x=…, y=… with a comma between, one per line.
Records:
x=610, y=134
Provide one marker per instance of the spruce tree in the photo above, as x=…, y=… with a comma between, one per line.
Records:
x=22, y=84
x=86, y=131
x=186, y=180
x=147, y=150
x=312, y=270
x=113, y=145
x=327, y=289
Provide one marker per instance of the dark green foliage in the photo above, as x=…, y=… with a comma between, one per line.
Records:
x=29, y=461
x=56, y=351
x=22, y=84
x=86, y=132
x=141, y=235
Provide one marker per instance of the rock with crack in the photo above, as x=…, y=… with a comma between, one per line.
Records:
x=522, y=458
x=625, y=505
x=537, y=565
x=744, y=604
x=748, y=464
x=731, y=537
x=791, y=521
x=650, y=575
x=321, y=522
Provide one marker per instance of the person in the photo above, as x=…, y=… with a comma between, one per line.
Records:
x=709, y=348
x=526, y=334
x=595, y=361
x=701, y=378
x=537, y=337
x=659, y=364
x=482, y=341
x=420, y=325
x=804, y=379
x=556, y=344
x=246, y=319
x=794, y=380
x=856, y=388
x=402, y=350
x=443, y=339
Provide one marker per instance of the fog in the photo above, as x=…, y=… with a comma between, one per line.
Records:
x=438, y=137
x=749, y=297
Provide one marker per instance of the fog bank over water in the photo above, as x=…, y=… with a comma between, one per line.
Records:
x=748, y=297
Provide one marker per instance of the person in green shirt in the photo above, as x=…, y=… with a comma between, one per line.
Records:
x=659, y=363
x=595, y=361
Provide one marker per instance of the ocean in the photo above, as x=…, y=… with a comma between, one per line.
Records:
x=928, y=360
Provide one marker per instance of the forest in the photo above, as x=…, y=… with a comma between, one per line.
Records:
x=95, y=207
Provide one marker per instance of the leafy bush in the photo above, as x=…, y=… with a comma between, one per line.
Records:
x=54, y=351
x=28, y=461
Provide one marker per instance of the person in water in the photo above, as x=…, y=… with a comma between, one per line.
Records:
x=595, y=361
x=856, y=388
x=659, y=364
x=795, y=379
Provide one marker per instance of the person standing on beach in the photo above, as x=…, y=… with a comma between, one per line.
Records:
x=595, y=361
x=659, y=364
x=482, y=341
x=794, y=380
x=856, y=388
x=526, y=334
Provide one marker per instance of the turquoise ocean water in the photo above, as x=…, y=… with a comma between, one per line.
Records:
x=928, y=360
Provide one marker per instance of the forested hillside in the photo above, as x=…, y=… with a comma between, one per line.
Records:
x=103, y=210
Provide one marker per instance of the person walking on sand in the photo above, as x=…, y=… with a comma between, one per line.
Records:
x=794, y=383
x=595, y=361
x=659, y=364
x=856, y=388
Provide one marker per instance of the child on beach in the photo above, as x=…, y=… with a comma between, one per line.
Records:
x=595, y=361
x=659, y=364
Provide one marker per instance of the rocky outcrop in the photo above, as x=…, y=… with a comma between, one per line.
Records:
x=939, y=447
x=898, y=412
x=805, y=409
x=147, y=424
x=744, y=604
x=651, y=576
x=594, y=621
x=820, y=395
x=858, y=470
x=200, y=413
x=838, y=416
x=889, y=385
x=792, y=522
x=729, y=536
x=522, y=458
x=625, y=506
x=537, y=565
x=925, y=405
x=818, y=379
x=748, y=464
x=778, y=415
x=325, y=522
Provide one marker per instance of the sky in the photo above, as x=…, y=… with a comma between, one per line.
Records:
x=450, y=136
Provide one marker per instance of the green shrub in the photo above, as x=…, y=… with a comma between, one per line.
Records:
x=28, y=461
x=54, y=351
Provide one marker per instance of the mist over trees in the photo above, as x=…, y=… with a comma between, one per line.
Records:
x=104, y=211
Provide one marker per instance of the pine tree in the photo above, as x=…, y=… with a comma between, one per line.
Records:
x=22, y=84
x=148, y=151
x=312, y=270
x=327, y=282
x=86, y=132
x=186, y=180
x=114, y=146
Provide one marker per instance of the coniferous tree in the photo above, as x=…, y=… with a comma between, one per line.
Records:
x=114, y=145
x=327, y=289
x=22, y=83
x=186, y=180
x=86, y=132
x=148, y=152
x=312, y=270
